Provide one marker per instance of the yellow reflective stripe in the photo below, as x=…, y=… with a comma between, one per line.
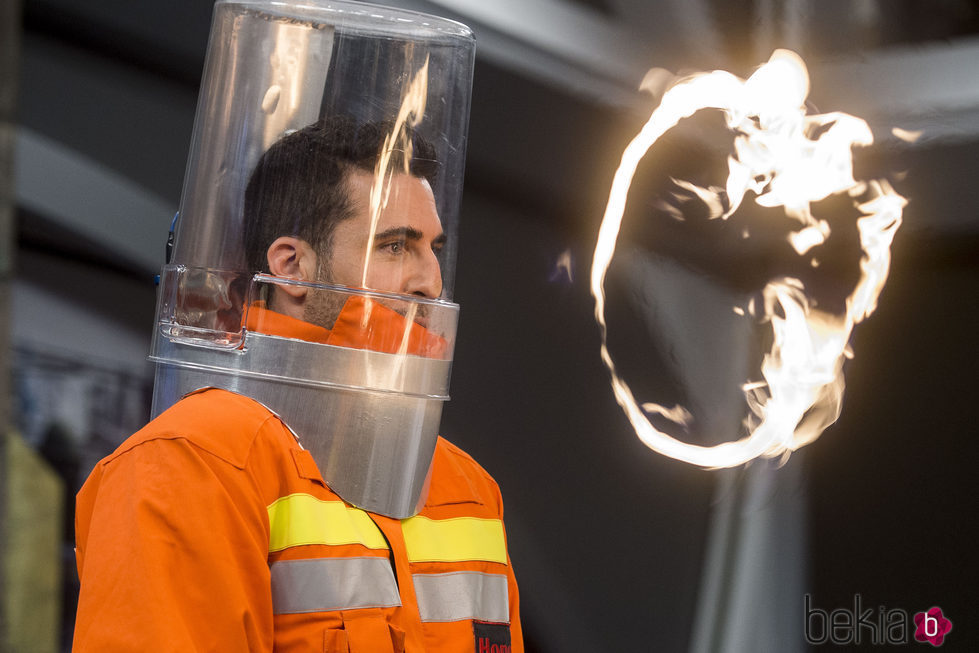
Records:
x=300, y=519
x=454, y=540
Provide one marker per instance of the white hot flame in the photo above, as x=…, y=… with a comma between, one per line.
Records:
x=787, y=159
x=564, y=267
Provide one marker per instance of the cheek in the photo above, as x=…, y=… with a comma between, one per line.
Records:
x=347, y=268
x=385, y=275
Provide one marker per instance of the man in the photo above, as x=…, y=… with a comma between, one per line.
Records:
x=297, y=498
x=335, y=238
x=210, y=529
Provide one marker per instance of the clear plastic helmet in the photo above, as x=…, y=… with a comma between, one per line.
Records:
x=314, y=254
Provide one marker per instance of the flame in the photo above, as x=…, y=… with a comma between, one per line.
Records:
x=786, y=159
x=563, y=267
x=908, y=136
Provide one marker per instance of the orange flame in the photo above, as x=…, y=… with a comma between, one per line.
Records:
x=788, y=159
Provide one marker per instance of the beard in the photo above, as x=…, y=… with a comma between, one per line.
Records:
x=323, y=307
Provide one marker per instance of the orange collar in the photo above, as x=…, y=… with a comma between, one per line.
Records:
x=362, y=324
x=263, y=320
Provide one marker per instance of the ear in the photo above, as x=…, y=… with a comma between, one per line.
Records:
x=292, y=258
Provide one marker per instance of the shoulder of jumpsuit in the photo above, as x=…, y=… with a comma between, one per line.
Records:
x=224, y=424
x=457, y=479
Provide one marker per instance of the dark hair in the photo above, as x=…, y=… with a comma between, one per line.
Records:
x=297, y=189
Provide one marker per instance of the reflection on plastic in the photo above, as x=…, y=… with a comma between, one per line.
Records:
x=205, y=307
x=363, y=323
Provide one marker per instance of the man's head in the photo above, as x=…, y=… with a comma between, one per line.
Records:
x=308, y=214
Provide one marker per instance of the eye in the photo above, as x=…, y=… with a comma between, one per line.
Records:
x=394, y=247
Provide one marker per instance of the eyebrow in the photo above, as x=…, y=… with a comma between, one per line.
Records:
x=408, y=233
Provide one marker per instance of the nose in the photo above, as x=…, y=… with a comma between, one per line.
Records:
x=424, y=278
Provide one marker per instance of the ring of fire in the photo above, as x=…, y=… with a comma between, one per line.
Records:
x=786, y=159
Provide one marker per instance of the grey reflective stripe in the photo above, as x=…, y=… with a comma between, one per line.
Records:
x=462, y=595
x=323, y=584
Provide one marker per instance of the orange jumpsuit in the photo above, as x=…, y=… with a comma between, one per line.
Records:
x=211, y=529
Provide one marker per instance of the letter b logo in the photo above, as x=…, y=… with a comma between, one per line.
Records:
x=818, y=625
x=931, y=626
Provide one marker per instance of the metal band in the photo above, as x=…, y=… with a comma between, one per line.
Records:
x=374, y=449
x=300, y=519
x=454, y=540
x=309, y=364
x=462, y=595
x=323, y=584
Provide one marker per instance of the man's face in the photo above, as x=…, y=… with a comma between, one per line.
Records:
x=402, y=256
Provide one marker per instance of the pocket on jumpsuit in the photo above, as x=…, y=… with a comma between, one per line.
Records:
x=364, y=631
